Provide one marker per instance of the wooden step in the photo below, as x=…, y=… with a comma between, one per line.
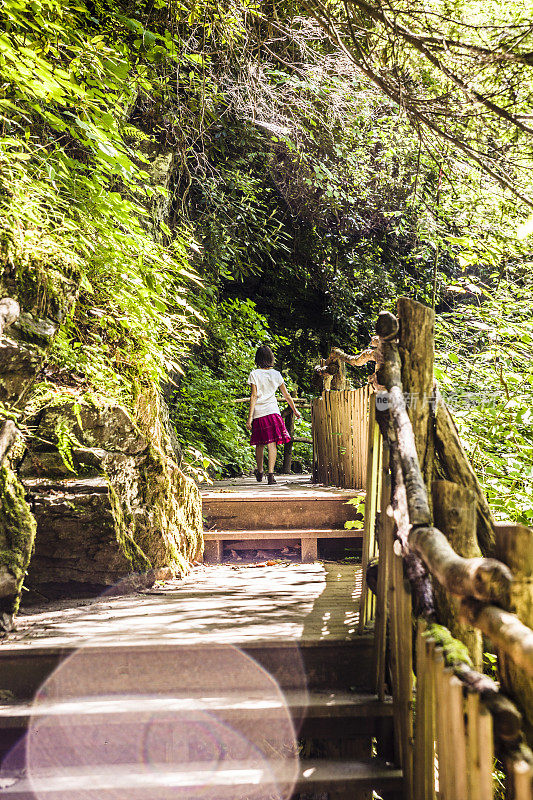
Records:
x=312, y=705
x=313, y=714
x=272, y=538
x=283, y=533
x=224, y=780
x=239, y=511
x=335, y=664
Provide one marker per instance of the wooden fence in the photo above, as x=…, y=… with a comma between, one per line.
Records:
x=340, y=434
x=450, y=720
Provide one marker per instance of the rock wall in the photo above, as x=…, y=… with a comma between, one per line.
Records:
x=110, y=503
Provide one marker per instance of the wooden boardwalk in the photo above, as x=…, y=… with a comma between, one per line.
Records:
x=214, y=604
x=241, y=681
x=242, y=514
x=286, y=486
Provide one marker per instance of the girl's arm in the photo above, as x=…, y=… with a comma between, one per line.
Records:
x=253, y=401
x=290, y=401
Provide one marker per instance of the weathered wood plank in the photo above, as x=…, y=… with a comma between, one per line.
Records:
x=284, y=533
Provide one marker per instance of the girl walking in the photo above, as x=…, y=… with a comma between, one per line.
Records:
x=264, y=419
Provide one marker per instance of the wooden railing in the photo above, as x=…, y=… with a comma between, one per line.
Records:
x=450, y=719
x=340, y=432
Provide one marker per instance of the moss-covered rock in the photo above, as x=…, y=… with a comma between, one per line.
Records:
x=19, y=363
x=17, y=536
x=109, y=498
x=46, y=274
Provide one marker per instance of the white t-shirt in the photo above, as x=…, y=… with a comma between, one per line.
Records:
x=266, y=381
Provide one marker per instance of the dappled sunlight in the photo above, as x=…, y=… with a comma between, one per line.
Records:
x=335, y=611
x=216, y=604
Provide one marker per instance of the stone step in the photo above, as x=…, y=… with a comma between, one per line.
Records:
x=243, y=512
x=223, y=780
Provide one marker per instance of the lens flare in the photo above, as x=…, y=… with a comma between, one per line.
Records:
x=163, y=721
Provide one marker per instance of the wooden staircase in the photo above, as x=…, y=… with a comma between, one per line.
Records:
x=247, y=517
x=180, y=719
x=254, y=717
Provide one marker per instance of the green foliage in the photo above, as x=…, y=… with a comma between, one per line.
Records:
x=77, y=207
x=485, y=370
x=143, y=145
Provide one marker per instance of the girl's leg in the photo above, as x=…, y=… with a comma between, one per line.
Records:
x=272, y=452
x=259, y=450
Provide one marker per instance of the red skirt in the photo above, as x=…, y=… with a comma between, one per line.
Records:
x=269, y=429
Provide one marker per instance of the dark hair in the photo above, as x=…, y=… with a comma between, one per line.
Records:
x=264, y=357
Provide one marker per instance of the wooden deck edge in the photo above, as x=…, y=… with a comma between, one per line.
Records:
x=284, y=533
x=289, y=498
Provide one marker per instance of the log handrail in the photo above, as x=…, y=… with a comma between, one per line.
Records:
x=481, y=579
x=457, y=707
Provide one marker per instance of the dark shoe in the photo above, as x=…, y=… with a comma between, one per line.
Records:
x=258, y=475
x=271, y=478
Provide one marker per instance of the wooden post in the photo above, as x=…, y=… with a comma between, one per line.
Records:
x=479, y=749
x=443, y=741
x=454, y=699
x=424, y=752
x=455, y=514
x=402, y=668
x=309, y=550
x=514, y=546
x=472, y=746
x=213, y=551
x=416, y=346
x=314, y=432
x=385, y=541
x=287, y=448
x=486, y=752
x=371, y=499
x=520, y=779
x=338, y=381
